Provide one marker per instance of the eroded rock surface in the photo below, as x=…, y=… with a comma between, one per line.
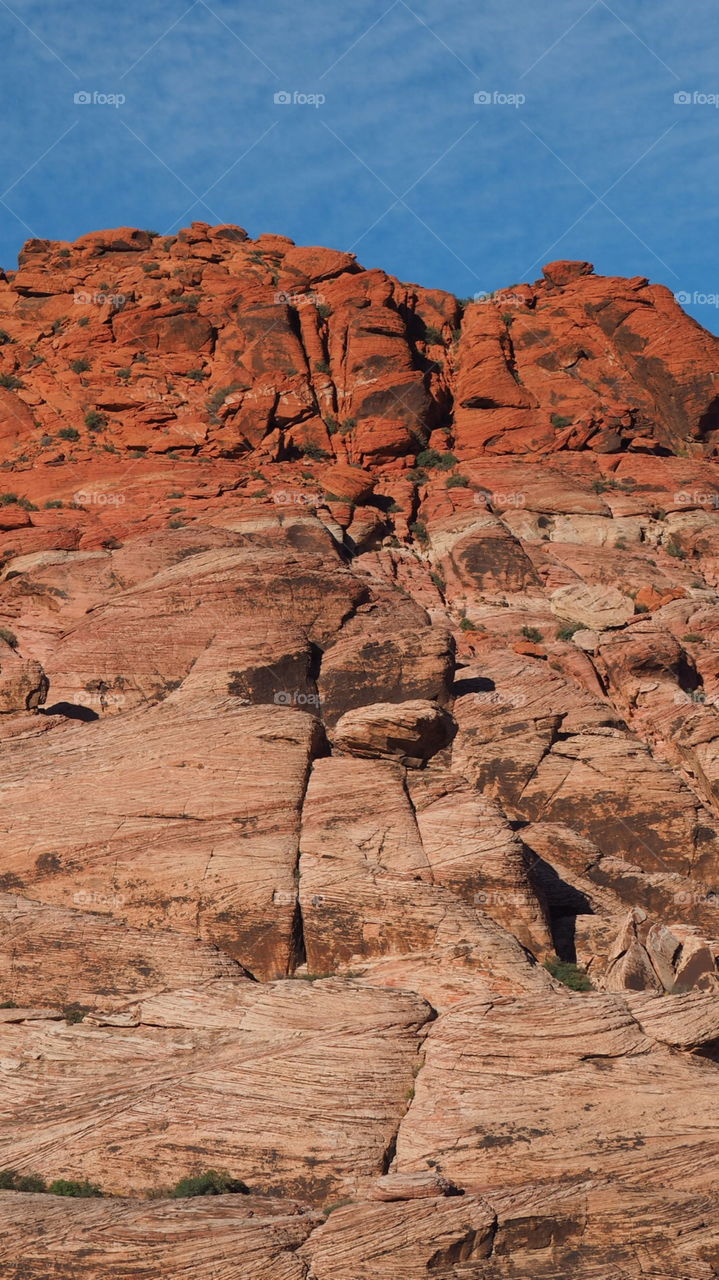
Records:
x=358, y=698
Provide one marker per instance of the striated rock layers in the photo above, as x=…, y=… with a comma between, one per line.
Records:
x=360, y=770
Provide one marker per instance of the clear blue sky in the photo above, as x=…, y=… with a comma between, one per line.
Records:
x=398, y=163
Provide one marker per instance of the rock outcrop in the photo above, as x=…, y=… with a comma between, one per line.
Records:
x=360, y=769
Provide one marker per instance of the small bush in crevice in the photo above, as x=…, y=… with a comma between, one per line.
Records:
x=572, y=975
x=81, y=1190
x=433, y=458
x=11, y=1180
x=533, y=634
x=213, y=1182
x=566, y=632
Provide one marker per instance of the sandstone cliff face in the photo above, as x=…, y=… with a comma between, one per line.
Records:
x=357, y=657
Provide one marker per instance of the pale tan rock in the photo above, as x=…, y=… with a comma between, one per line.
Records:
x=245, y=1237
x=596, y=609
x=290, y=1084
x=405, y=731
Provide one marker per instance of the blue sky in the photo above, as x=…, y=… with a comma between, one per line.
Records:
x=399, y=163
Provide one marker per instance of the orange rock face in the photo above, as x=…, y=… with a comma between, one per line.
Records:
x=360, y=769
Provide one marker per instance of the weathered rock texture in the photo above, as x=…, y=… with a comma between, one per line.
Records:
x=358, y=684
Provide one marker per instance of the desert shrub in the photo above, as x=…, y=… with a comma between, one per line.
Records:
x=533, y=634
x=10, y=382
x=432, y=334
x=212, y=1183
x=560, y=420
x=674, y=548
x=641, y=608
x=80, y=366
x=9, y=637
x=68, y=433
x=321, y=366
x=457, y=482
x=81, y=1190
x=467, y=625
x=95, y=421
x=4, y=337
x=197, y=375
x=566, y=632
x=324, y=310
x=433, y=458
x=418, y=529
x=53, y=504
x=74, y=1013
x=313, y=451
x=692, y=639
x=11, y=1180
x=570, y=974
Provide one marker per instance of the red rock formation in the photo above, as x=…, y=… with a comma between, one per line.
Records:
x=358, y=690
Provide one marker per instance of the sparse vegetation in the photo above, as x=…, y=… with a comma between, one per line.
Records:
x=641, y=608
x=324, y=310
x=313, y=451
x=572, y=975
x=95, y=421
x=74, y=1013
x=533, y=634
x=457, y=481
x=433, y=458
x=10, y=382
x=321, y=366
x=560, y=420
x=69, y=433
x=11, y=1180
x=80, y=1190
x=692, y=639
x=433, y=335
x=197, y=375
x=80, y=366
x=9, y=637
x=418, y=529
x=567, y=630
x=674, y=548
x=212, y=1183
